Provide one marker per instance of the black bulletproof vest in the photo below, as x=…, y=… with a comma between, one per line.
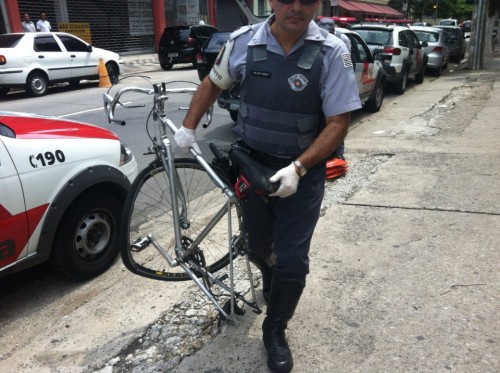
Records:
x=281, y=107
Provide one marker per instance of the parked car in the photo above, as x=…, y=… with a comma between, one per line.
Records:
x=448, y=22
x=402, y=54
x=205, y=58
x=180, y=44
x=370, y=74
x=437, y=47
x=456, y=42
x=370, y=78
x=63, y=185
x=35, y=60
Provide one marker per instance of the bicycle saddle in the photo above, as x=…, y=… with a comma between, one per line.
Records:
x=255, y=175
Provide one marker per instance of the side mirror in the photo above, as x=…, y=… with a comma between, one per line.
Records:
x=89, y=48
x=424, y=44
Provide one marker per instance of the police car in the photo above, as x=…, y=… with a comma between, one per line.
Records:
x=369, y=71
x=62, y=188
x=402, y=54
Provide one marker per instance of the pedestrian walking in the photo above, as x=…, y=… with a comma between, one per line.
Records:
x=28, y=25
x=297, y=92
x=43, y=25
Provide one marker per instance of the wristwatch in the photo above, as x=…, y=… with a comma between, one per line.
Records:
x=302, y=169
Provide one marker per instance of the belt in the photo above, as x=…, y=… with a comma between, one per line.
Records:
x=270, y=160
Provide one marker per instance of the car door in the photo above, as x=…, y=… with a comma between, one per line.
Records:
x=49, y=54
x=84, y=63
x=13, y=218
x=363, y=66
x=418, y=52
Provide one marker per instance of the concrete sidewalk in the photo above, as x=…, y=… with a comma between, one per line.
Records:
x=406, y=270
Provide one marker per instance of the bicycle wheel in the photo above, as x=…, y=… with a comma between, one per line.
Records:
x=148, y=211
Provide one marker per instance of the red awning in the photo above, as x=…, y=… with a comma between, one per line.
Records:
x=356, y=6
x=347, y=6
x=387, y=10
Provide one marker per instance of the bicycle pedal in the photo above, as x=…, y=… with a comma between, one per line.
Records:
x=141, y=243
x=238, y=310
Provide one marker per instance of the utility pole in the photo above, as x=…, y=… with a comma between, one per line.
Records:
x=436, y=6
x=405, y=8
x=478, y=34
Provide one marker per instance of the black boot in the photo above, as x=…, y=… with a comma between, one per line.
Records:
x=284, y=297
x=266, y=267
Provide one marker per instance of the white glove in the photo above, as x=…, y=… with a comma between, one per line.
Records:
x=185, y=138
x=289, y=180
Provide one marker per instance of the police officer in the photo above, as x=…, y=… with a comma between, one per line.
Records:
x=297, y=92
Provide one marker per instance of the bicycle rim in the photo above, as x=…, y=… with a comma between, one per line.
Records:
x=148, y=211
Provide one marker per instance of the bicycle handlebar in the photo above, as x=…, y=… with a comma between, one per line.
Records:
x=160, y=92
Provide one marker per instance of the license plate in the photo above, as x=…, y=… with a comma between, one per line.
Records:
x=173, y=54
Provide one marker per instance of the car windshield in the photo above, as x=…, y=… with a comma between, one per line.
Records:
x=447, y=23
x=10, y=40
x=377, y=37
x=451, y=34
x=218, y=39
x=430, y=37
x=184, y=34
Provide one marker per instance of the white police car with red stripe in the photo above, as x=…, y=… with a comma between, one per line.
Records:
x=62, y=188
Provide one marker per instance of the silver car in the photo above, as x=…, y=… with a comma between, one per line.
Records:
x=437, y=49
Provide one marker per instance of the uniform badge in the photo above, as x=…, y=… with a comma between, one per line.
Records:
x=346, y=57
x=297, y=82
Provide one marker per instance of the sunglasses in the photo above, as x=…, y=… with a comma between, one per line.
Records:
x=303, y=2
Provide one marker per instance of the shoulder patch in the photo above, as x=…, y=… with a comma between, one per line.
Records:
x=346, y=57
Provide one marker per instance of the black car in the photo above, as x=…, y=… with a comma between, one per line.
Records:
x=180, y=44
x=205, y=58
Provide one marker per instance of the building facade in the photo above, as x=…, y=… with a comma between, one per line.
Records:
x=135, y=26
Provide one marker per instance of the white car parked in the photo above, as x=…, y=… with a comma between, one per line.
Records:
x=35, y=60
x=62, y=189
x=402, y=54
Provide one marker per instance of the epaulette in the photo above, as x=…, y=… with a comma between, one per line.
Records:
x=243, y=30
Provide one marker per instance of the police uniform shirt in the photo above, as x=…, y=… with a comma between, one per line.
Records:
x=339, y=91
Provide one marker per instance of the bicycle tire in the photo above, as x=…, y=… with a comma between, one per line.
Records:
x=148, y=210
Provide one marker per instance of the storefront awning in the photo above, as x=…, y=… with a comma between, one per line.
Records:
x=357, y=6
x=387, y=10
x=347, y=6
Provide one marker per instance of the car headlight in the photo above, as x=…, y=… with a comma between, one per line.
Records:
x=125, y=154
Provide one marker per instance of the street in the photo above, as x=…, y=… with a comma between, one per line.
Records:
x=50, y=325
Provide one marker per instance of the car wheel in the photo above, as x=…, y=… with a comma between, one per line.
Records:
x=4, y=91
x=400, y=87
x=113, y=72
x=37, y=84
x=86, y=242
x=166, y=66
x=375, y=103
x=234, y=115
